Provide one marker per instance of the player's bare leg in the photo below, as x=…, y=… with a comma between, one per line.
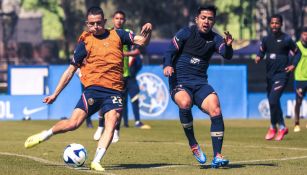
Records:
x=77, y=118
x=111, y=119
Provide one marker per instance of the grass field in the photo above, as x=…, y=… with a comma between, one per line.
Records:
x=161, y=150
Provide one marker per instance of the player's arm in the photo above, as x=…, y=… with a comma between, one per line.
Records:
x=295, y=54
x=173, y=50
x=261, y=51
x=224, y=45
x=128, y=38
x=144, y=38
x=79, y=54
x=133, y=53
x=65, y=79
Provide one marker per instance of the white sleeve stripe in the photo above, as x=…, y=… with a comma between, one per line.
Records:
x=175, y=43
x=220, y=48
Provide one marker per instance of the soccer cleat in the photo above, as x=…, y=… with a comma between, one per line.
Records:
x=96, y=166
x=115, y=136
x=219, y=161
x=297, y=128
x=198, y=154
x=270, y=134
x=281, y=134
x=34, y=140
x=141, y=125
x=98, y=133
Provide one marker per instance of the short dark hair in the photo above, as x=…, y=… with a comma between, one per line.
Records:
x=119, y=12
x=211, y=8
x=304, y=29
x=95, y=10
x=276, y=16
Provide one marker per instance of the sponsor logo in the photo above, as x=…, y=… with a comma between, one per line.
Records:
x=154, y=96
x=194, y=60
x=27, y=112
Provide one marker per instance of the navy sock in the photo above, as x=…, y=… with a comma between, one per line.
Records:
x=217, y=133
x=186, y=120
x=101, y=121
x=136, y=110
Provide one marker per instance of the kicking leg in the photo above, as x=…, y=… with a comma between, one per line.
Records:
x=77, y=118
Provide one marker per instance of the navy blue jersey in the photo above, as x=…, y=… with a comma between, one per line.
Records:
x=277, y=49
x=190, y=52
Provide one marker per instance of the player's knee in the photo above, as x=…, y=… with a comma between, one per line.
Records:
x=184, y=104
x=216, y=111
x=72, y=125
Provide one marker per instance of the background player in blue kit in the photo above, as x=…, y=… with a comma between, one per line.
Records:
x=185, y=63
x=277, y=46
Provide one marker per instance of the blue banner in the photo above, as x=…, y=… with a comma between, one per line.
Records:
x=23, y=106
x=258, y=105
x=230, y=82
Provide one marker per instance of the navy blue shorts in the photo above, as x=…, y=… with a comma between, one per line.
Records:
x=95, y=98
x=197, y=93
x=301, y=86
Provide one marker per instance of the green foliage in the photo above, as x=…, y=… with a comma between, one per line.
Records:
x=52, y=15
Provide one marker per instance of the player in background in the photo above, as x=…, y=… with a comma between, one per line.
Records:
x=185, y=63
x=130, y=84
x=300, y=77
x=99, y=57
x=277, y=46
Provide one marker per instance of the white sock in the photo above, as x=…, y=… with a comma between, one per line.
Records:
x=47, y=134
x=100, y=128
x=99, y=154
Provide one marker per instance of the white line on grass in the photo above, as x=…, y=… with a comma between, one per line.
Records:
x=44, y=161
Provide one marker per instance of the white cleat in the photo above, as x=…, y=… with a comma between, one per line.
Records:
x=115, y=136
x=98, y=133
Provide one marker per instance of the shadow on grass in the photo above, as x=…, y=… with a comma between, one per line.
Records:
x=240, y=165
x=143, y=166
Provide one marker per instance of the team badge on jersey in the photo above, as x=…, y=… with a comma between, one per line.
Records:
x=90, y=101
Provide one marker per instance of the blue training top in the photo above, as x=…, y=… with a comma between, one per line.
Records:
x=277, y=49
x=189, y=54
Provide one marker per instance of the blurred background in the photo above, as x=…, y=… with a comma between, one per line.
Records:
x=44, y=32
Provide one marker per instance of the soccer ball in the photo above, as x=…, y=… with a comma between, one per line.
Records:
x=75, y=155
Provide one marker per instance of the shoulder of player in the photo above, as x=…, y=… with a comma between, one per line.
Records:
x=84, y=36
x=286, y=37
x=184, y=33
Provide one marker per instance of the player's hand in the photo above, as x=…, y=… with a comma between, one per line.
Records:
x=168, y=71
x=49, y=99
x=146, y=29
x=228, y=38
x=289, y=68
x=257, y=59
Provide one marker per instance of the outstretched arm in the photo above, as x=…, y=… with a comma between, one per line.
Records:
x=144, y=38
x=65, y=79
x=224, y=45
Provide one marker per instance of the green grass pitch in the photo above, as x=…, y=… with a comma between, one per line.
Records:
x=160, y=150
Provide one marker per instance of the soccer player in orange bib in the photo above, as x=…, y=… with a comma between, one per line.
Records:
x=99, y=56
